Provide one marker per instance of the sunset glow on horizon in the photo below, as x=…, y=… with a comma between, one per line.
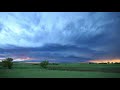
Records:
x=106, y=61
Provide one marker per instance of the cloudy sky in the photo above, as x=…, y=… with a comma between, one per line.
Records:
x=60, y=36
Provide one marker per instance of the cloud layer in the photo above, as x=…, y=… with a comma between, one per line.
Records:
x=60, y=36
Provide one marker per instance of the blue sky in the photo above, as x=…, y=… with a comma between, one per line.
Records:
x=60, y=36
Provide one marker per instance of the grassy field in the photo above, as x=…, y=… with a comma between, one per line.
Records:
x=73, y=70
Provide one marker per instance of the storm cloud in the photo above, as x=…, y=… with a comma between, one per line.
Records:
x=60, y=36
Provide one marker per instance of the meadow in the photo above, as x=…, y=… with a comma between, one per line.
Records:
x=61, y=70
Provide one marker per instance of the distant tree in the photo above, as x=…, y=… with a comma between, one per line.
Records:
x=111, y=62
x=44, y=64
x=7, y=63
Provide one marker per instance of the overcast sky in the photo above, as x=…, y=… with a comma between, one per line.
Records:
x=60, y=36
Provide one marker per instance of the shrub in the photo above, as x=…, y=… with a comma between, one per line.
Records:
x=44, y=64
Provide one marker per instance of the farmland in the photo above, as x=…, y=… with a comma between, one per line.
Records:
x=61, y=70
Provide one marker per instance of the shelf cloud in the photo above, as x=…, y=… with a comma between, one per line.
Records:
x=60, y=36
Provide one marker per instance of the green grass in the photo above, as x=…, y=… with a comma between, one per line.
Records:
x=74, y=70
x=111, y=68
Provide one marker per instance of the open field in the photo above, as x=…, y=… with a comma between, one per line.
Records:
x=71, y=70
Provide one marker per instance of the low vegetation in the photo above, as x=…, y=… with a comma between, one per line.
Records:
x=44, y=64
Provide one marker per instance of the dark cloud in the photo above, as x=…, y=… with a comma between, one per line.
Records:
x=55, y=51
x=62, y=37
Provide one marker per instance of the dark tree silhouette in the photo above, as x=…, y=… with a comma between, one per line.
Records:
x=7, y=63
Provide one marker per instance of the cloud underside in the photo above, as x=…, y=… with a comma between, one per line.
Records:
x=60, y=36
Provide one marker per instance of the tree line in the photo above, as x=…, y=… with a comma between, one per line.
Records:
x=105, y=63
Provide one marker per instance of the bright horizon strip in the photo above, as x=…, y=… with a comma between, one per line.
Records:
x=18, y=59
x=22, y=59
x=105, y=61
